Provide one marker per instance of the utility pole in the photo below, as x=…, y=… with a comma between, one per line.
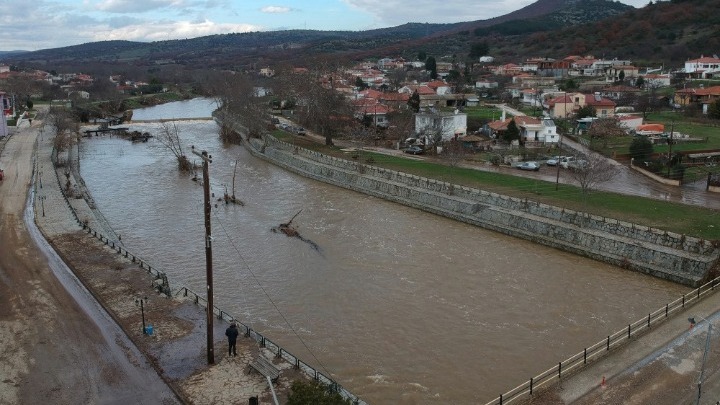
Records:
x=670, y=143
x=207, y=159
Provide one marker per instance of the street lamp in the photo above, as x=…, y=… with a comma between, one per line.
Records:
x=705, y=353
x=141, y=302
x=42, y=203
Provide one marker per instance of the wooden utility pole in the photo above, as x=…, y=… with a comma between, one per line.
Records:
x=207, y=159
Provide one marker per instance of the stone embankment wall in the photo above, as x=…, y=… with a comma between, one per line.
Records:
x=667, y=255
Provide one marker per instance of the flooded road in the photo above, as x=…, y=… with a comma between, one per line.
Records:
x=398, y=305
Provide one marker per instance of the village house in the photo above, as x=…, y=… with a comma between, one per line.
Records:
x=617, y=93
x=702, y=97
x=536, y=131
x=448, y=125
x=656, y=80
x=618, y=73
x=703, y=68
x=567, y=104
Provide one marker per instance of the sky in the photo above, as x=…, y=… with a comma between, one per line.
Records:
x=43, y=24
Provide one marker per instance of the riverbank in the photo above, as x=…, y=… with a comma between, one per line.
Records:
x=670, y=256
x=177, y=347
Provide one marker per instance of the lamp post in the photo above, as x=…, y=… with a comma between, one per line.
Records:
x=141, y=302
x=705, y=353
x=42, y=203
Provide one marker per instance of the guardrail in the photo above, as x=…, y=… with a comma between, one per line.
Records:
x=602, y=348
x=332, y=385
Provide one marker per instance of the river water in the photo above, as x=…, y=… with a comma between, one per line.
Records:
x=398, y=305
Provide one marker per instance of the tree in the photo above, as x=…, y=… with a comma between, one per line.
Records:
x=66, y=129
x=641, y=148
x=169, y=137
x=414, y=102
x=621, y=76
x=714, y=110
x=314, y=393
x=640, y=82
x=591, y=170
x=512, y=133
x=422, y=56
x=431, y=66
x=360, y=84
x=605, y=129
x=478, y=49
x=586, y=111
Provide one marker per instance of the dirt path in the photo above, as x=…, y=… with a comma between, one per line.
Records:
x=56, y=346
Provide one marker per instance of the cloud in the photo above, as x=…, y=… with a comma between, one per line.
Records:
x=160, y=31
x=433, y=11
x=275, y=10
x=135, y=6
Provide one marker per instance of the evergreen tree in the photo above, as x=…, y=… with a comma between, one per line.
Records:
x=714, y=110
x=512, y=133
x=414, y=102
x=641, y=148
x=431, y=66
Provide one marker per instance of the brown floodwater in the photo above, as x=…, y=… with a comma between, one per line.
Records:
x=397, y=305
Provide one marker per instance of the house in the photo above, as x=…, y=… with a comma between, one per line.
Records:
x=486, y=84
x=656, y=80
x=621, y=72
x=267, y=72
x=448, y=124
x=619, y=92
x=536, y=131
x=530, y=97
x=439, y=86
x=702, y=97
x=376, y=112
x=703, y=67
x=603, y=107
x=6, y=111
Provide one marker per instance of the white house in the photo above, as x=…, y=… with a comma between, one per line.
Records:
x=537, y=130
x=703, y=66
x=449, y=124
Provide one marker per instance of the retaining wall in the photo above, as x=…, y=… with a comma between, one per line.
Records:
x=667, y=255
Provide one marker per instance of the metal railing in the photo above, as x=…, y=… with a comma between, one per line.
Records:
x=164, y=288
x=602, y=348
x=279, y=352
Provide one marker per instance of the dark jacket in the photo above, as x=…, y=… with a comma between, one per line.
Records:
x=232, y=333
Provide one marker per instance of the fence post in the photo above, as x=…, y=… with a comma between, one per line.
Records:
x=531, y=385
x=666, y=310
x=560, y=369
x=608, y=342
x=585, y=356
x=683, y=301
x=629, y=331
x=648, y=321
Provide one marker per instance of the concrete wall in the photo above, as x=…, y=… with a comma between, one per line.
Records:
x=671, y=256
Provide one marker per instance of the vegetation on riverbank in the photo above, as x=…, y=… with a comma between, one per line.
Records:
x=680, y=218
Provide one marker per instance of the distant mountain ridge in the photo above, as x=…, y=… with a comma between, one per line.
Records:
x=544, y=28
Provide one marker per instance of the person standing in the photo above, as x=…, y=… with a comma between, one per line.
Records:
x=232, y=333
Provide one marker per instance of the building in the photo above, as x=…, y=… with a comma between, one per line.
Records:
x=448, y=124
x=702, y=96
x=703, y=67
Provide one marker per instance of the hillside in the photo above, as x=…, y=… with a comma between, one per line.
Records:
x=238, y=50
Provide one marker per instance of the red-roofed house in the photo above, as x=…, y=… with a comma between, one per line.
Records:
x=703, y=97
x=567, y=104
x=703, y=67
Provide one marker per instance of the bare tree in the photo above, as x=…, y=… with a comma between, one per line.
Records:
x=453, y=152
x=237, y=95
x=169, y=137
x=590, y=170
x=66, y=129
x=605, y=129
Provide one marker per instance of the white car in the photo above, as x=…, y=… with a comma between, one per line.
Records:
x=534, y=166
x=566, y=161
x=554, y=161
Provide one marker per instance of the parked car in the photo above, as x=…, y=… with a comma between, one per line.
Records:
x=566, y=161
x=534, y=166
x=577, y=164
x=415, y=150
x=554, y=161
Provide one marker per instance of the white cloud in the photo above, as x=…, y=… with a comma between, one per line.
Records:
x=134, y=6
x=433, y=11
x=171, y=30
x=275, y=9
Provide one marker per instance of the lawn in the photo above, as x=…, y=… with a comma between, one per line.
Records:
x=679, y=218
